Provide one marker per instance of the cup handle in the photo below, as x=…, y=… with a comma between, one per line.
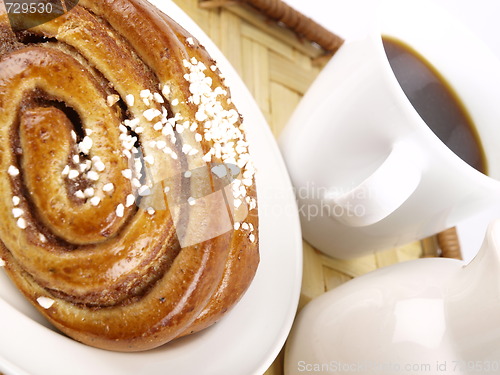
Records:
x=382, y=192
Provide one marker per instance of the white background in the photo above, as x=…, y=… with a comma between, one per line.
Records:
x=347, y=17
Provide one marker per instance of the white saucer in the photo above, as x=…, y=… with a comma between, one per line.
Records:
x=245, y=341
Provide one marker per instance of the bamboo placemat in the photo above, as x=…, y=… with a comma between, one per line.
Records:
x=278, y=64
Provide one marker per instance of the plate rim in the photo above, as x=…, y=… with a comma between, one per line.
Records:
x=294, y=250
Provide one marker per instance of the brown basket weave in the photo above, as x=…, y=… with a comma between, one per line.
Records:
x=282, y=13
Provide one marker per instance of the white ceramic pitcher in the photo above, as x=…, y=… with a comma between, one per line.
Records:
x=427, y=316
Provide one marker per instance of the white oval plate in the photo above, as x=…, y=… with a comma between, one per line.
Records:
x=246, y=340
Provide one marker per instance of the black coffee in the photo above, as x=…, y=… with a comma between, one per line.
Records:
x=436, y=102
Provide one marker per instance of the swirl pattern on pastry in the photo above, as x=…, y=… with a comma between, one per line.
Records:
x=128, y=211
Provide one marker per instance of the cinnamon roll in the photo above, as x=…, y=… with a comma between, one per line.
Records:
x=128, y=207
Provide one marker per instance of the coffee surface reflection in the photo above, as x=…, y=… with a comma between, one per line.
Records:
x=435, y=101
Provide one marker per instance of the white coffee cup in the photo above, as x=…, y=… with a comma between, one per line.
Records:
x=368, y=172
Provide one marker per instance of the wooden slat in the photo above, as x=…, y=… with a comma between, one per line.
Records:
x=267, y=40
x=256, y=67
x=290, y=73
x=334, y=278
x=283, y=102
x=230, y=42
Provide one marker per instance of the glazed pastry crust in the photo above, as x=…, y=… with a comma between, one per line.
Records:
x=122, y=276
